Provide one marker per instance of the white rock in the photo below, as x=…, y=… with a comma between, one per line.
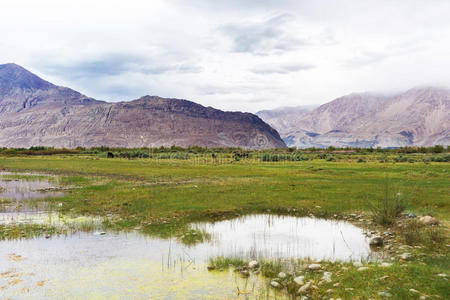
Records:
x=384, y=294
x=428, y=220
x=305, y=287
x=385, y=265
x=360, y=269
x=414, y=291
x=314, y=267
x=253, y=264
x=299, y=280
x=327, y=276
x=275, y=284
x=357, y=264
x=282, y=275
x=405, y=256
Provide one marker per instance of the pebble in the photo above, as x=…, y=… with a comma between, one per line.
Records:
x=299, y=280
x=414, y=291
x=99, y=233
x=376, y=241
x=253, y=264
x=442, y=275
x=275, y=284
x=357, y=264
x=327, y=276
x=384, y=294
x=385, y=265
x=360, y=269
x=282, y=275
x=428, y=220
x=314, y=267
x=405, y=256
x=305, y=287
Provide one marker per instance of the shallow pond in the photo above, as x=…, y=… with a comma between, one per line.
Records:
x=20, y=189
x=98, y=265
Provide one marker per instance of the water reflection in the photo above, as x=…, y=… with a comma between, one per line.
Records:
x=130, y=265
x=268, y=236
x=18, y=191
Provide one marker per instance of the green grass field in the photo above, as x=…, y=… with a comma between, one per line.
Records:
x=160, y=196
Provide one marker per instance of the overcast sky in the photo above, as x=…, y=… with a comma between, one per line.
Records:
x=234, y=54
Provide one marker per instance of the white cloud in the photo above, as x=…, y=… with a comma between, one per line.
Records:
x=234, y=55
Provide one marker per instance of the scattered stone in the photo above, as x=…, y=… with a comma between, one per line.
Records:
x=405, y=256
x=411, y=215
x=357, y=264
x=282, y=275
x=329, y=291
x=314, y=267
x=275, y=284
x=414, y=291
x=442, y=275
x=253, y=264
x=385, y=265
x=299, y=280
x=99, y=233
x=428, y=220
x=385, y=294
x=336, y=284
x=327, y=276
x=349, y=289
x=361, y=269
x=305, y=287
x=376, y=241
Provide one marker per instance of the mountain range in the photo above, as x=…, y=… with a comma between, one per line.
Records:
x=419, y=117
x=35, y=112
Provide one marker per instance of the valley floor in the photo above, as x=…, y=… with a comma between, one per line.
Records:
x=160, y=197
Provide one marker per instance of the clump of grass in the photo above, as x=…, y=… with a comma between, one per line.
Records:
x=388, y=209
x=223, y=263
x=27, y=177
x=192, y=237
x=271, y=268
x=26, y=231
x=416, y=233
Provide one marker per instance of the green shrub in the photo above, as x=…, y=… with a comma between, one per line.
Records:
x=387, y=209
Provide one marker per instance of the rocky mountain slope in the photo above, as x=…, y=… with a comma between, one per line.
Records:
x=35, y=112
x=420, y=116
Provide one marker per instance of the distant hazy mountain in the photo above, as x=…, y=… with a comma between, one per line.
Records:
x=35, y=112
x=285, y=117
x=420, y=116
